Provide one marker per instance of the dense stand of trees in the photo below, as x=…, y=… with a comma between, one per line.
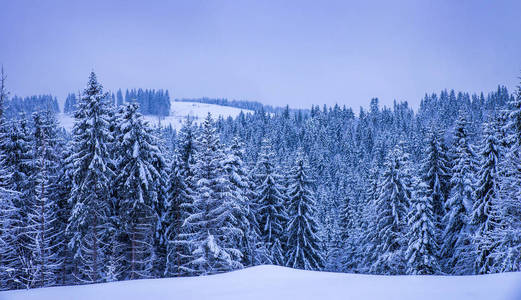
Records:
x=15, y=106
x=151, y=102
x=388, y=191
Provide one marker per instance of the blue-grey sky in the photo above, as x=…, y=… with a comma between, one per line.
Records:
x=276, y=52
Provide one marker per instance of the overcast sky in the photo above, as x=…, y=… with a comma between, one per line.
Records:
x=275, y=52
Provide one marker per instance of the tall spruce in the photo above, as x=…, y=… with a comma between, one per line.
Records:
x=43, y=237
x=422, y=250
x=270, y=202
x=10, y=263
x=437, y=177
x=63, y=190
x=181, y=193
x=487, y=194
x=89, y=222
x=18, y=169
x=303, y=242
x=214, y=231
x=508, y=254
x=138, y=189
x=238, y=175
x=392, y=207
x=456, y=249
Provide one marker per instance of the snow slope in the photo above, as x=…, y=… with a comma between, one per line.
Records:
x=272, y=282
x=178, y=113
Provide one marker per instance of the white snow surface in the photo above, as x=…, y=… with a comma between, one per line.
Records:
x=178, y=113
x=273, y=282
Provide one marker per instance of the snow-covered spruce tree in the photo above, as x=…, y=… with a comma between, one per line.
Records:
x=116, y=266
x=138, y=189
x=269, y=200
x=214, y=232
x=484, y=216
x=181, y=197
x=507, y=254
x=9, y=213
x=9, y=224
x=241, y=186
x=422, y=249
x=392, y=207
x=17, y=163
x=436, y=175
x=456, y=249
x=370, y=218
x=43, y=237
x=303, y=243
x=90, y=196
x=351, y=190
x=162, y=165
x=62, y=194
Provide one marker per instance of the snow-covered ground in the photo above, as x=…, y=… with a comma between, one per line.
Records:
x=179, y=112
x=271, y=283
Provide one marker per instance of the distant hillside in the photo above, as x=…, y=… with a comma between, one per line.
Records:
x=243, y=104
x=178, y=113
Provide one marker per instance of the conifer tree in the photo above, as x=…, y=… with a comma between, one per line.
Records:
x=17, y=161
x=63, y=211
x=487, y=194
x=437, y=177
x=90, y=196
x=214, y=230
x=303, y=243
x=42, y=223
x=181, y=195
x=161, y=164
x=138, y=186
x=422, y=249
x=392, y=206
x=10, y=263
x=270, y=201
x=238, y=175
x=456, y=247
x=370, y=233
x=507, y=254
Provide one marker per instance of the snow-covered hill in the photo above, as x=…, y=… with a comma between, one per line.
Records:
x=271, y=282
x=179, y=112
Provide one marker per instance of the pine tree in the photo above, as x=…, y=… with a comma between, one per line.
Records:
x=370, y=221
x=90, y=196
x=437, y=177
x=506, y=256
x=17, y=162
x=456, y=237
x=270, y=200
x=9, y=224
x=303, y=248
x=486, y=196
x=214, y=230
x=392, y=206
x=42, y=223
x=354, y=221
x=13, y=170
x=238, y=175
x=138, y=186
x=63, y=211
x=422, y=248
x=181, y=197
x=161, y=164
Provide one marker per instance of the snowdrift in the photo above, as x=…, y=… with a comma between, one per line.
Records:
x=272, y=283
